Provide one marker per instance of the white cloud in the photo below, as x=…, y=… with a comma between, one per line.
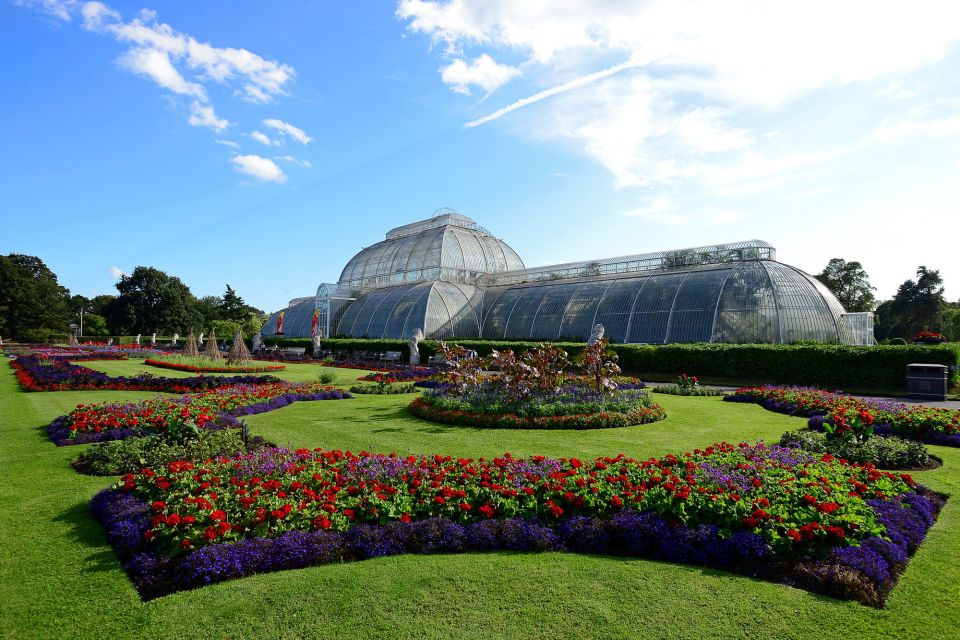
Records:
x=264, y=139
x=115, y=272
x=203, y=115
x=156, y=65
x=227, y=143
x=61, y=9
x=303, y=164
x=288, y=130
x=692, y=72
x=484, y=72
x=259, y=167
x=261, y=79
x=663, y=210
x=934, y=121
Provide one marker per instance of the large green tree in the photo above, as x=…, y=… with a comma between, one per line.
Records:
x=850, y=283
x=150, y=300
x=31, y=299
x=918, y=306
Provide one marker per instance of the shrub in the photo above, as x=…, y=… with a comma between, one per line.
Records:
x=677, y=390
x=385, y=390
x=886, y=453
x=133, y=454
x=326, y=377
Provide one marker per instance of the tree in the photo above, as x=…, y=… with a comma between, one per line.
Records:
x=150, y=300
x=850, y=283
x=918, y=306
x=31, y=298
x=233, y=307
x=95, y=325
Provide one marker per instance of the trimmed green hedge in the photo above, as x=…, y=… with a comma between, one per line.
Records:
x=835, y=367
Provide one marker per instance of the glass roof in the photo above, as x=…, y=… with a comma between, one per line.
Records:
x=448, y=247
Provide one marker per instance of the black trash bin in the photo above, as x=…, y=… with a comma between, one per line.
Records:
x=928, y=381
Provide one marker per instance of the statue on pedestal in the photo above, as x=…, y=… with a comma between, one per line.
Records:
x=176, y=336
x=138, y=339
x=153, y=339
x=109, y=342
x=316, y=346
x=257, y=341
x=200, y=341
x=414, y=344
x=596, y=336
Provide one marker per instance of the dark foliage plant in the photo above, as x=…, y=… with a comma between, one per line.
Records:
x=886, y=453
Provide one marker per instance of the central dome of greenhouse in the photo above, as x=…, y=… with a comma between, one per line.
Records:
x=449, y=246
x=451, y=278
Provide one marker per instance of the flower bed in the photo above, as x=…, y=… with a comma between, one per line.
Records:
x=568, y=407
x=817, y=523
x=203, y=365
x=57, y=374
x=677, y=390
x=916, y=422
x=208, y=410
x=422, y=408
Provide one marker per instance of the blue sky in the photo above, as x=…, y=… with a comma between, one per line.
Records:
x=263, y=144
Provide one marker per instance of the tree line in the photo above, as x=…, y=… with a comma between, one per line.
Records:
x=918, y=305
x=34, y=305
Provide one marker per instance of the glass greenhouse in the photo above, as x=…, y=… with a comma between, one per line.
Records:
x=451, y=278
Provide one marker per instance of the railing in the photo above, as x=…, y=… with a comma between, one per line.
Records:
x=659, y=261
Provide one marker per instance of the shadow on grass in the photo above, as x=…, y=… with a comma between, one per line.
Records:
x=85, y=530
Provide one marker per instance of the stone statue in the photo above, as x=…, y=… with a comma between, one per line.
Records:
x=153, y=339
x=200, y=342
x=316, y=346
x=414, y=344
x=109, y=342
x=138, y=339
x=257, y=341
x=176, y=336
x=596, y=336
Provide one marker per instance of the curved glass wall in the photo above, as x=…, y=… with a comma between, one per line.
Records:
x=297, y=320
x=441, y=309
x=746, y=302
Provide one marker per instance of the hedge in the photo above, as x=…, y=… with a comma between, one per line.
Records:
x=837, y=367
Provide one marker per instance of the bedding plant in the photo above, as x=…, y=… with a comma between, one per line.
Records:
x=57, y=374
x=191, y=412
x=828, y=411
x=200, y=364
x=786, y=515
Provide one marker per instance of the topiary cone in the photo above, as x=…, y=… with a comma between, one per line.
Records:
x=190, y=348
x=238, y=350
x=212, y=351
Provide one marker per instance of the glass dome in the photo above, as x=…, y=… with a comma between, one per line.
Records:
x=297, y=319
x=449, y=247
x=754, y=301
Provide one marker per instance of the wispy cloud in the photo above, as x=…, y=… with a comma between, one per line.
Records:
x=576, y=83
x=227, y=143
x=263, y=138
x=115, y=272
x=662, y=210
x=288, y=129
x=483, y=72
x=303, y=164
x=261, y=168
x=203, y=115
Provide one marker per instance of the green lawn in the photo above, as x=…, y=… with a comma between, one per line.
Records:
x=59, y=578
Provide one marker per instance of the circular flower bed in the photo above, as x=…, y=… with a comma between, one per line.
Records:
x=569, y=407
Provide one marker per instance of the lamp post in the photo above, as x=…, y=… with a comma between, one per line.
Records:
x=82, y=309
